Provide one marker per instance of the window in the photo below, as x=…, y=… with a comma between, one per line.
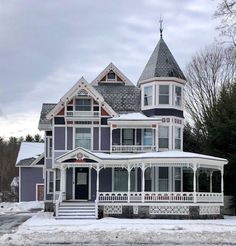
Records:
x=48, y=147
x=111, y=76
x=178, y=96
x=148, y=179
x=163, y=178
x=127, y=137
x=120, y=179
x=177, y=173
x=50, y=181
x=83, y=104
x=177, y=138
x=147, y=95
x=163, y=137
x=163, y=94
x=58, y=179
x=147, y=137
x=83, y=138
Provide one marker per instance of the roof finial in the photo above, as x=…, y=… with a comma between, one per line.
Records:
x=161, y=28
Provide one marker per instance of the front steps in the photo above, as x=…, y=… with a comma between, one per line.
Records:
x=76, y=210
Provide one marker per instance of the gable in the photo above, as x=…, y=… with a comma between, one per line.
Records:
x=111, y=75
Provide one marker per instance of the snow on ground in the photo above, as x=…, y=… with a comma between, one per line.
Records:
x=43, y=228
x=9, y=207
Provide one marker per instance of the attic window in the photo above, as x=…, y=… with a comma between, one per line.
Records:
x=111, y=75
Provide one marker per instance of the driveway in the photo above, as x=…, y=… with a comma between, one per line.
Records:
x=10, y=221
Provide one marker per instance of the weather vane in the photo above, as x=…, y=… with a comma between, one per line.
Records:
x=161, y=28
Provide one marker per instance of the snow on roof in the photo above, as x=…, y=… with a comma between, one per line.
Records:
x=29, y=150
x=133, y=116
x=162, y=154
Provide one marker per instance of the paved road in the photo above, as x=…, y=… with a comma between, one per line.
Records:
x=10, y=222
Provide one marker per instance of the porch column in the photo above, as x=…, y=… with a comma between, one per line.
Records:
x=211, y=173
x=194, y=184
x=97, y=185
x=128, y=169
x=222, y=183
x=63, y=182
x=143, y=181
x=156, y=138
x=111, y=138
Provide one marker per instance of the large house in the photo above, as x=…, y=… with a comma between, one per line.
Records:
x=116, y=149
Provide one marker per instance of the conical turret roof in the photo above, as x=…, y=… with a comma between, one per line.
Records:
x=161, y=64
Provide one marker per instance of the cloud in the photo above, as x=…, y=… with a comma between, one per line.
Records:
x=46, y=46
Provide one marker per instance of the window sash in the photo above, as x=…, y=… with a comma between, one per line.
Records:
x=164, y=94
x=120, y=179
x=148, y=96
x=163, y=137
x=177, y=138
x=50, y=181
x=178, y=96
x=128, y=137
x=163, y=179
x=147, y=137
x=83, y=138
x=83, y=105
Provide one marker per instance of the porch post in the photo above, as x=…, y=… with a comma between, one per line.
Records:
x=97, y=185
x=128, y=182
x=143, y=181
x=222, y=183
x=194, y=183
x=111, y=138
x=63, y=182
x=211, y=173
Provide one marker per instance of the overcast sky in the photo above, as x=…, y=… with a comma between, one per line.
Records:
x=46, y=46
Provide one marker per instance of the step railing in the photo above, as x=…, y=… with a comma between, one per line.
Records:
x=58, y=201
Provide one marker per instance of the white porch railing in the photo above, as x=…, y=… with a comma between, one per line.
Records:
x=58, y=201
x=174, y=197
x=133, y=148
x=83, y=114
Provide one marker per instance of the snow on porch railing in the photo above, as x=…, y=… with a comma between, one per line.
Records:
x=113, y=196
x=209, y=197
x=133, y=148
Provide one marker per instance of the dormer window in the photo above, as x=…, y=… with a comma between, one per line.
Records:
x=111, y=76
x=147, y=95
x=163, y=94
x=178, y=96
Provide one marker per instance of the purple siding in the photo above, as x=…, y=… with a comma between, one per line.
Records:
x=69, y=138
x=116, y=137
x=69, y=183
x=59, y=138
x=105, y=180
x=30, y=176
x=95, y=138
x=105, y=138
x=48, y=163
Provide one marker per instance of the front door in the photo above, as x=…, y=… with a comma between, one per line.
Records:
x=81, y=183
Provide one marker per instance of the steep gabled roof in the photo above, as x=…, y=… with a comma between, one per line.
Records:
x=44, y=123
x=161, y=64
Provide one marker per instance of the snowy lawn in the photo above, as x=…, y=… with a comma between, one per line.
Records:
x=12, y=207
x=43, y=228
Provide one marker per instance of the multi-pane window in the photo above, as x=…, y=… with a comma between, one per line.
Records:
x=128, y=137
x=163, y=94
x=83, y=138
x=178, y=96
x=163, y=137
x=120, y=179
x=147, y=137
x=50, y=181
x=163, y=178
x=177, y=138
x=58, y=179
x=147, y=95
x=177, y=176
x=83, y=104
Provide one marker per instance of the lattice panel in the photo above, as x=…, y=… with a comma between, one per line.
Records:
x=182, y=210
x=113, y=209
x=135, y=209
x=204, y=210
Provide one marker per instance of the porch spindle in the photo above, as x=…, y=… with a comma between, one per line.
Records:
x=211, y=173
x=63, y=183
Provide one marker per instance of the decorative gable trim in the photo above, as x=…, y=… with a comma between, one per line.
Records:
x=111, y=67
x=82, y=86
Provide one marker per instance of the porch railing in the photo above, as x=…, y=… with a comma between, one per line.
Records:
x=133, y=148
x=174, y=197
x=83, y=114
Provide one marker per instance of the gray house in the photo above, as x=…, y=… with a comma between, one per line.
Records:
x=116, y=149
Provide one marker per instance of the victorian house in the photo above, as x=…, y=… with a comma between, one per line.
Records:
x=116, y=149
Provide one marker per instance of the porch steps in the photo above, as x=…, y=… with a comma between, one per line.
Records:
x=76, y=210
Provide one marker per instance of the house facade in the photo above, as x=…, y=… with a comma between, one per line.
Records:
x=116, y=149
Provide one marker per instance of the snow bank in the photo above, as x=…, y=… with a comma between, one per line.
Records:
x=6, y=207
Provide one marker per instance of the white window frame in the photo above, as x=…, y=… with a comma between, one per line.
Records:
x=49, y=181
x=180, y=137
x=153, y=94
x=158, y=94
x=91, y=134
x=169, y=138
x=49, y=147
x=83, y=98
x=167, y=179
x=175, y=96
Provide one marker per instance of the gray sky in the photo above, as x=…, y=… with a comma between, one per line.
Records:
x=46, y=46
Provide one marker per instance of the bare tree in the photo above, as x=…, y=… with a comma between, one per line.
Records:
x=226, y=13
x=208, y=71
